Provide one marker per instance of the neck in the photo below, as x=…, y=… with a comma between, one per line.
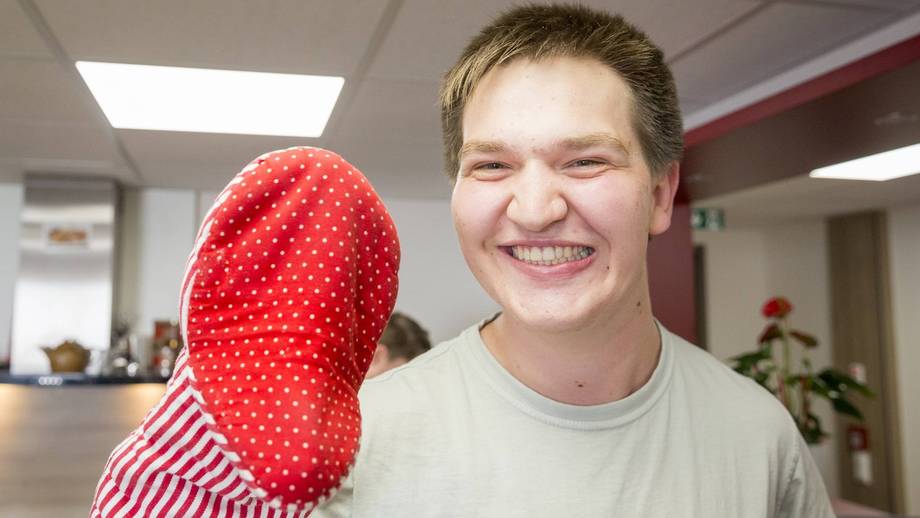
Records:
x=600, y=362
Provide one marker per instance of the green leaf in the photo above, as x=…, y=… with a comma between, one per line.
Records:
x=820, y=388
x=747, y=360
x=771, y=332
x=845, y=407
x=804, y=338
x=761, y=378
x=841, y=382
x=796, y=379
x=811, y=429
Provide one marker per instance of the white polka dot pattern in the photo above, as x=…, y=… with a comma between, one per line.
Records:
x=290, y=285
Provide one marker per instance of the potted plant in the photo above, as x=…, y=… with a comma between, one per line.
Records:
x=796, y=388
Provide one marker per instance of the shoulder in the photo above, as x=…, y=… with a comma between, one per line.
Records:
x=721, y=393
x=412, y=387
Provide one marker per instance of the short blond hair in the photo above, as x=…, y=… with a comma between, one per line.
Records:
x=543, y=31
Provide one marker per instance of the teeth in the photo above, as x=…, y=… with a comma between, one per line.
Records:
x=550, y=255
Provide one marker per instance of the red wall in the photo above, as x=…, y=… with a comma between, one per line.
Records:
x=670, y=267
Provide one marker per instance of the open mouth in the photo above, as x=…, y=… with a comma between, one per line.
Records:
x=548, y=255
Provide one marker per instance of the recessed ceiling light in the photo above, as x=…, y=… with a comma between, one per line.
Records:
x=211, y=101
x=888, y=165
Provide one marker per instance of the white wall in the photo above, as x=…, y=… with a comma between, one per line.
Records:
x=735, y=289
x=10, y=208
x=166, y=227
x=746, y=267
x=904, y=249
x=435, y=286
x=796, y=267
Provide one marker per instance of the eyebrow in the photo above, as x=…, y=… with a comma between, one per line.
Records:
x=573, y=143
x=594, y=139
x=480, y=146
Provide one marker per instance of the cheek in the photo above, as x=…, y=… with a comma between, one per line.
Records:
x=617, y=211
x=476, y=210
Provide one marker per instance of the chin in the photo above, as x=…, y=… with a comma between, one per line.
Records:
x=550, y=318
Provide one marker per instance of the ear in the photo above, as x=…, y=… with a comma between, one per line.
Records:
x=663, y=191
x=381, y=356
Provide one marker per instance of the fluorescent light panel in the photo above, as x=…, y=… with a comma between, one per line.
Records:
x=880, y=167
x=211, y=101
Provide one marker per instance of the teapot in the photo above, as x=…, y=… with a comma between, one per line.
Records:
x=68, y=357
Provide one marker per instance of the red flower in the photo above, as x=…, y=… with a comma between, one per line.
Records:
x=777, y=307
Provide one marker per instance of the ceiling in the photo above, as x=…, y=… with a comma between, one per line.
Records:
x=392, y=54
x=802, y=198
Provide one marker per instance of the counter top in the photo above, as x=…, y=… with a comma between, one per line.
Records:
x=59, y=379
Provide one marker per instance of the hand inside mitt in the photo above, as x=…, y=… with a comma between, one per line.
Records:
x=289, y=286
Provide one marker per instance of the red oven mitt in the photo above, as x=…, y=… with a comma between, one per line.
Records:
x=290, y=284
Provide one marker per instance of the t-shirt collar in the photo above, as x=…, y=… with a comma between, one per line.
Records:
x=606, y=415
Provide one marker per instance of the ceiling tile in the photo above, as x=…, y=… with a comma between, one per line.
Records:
x=55, y=142
x=43, y=91
x=181, y=175
x=427, y=37
x=892, y=5
x=382, y=109
x=801, y=197
x=199, y=160
x=10, y=171
x=280, y=36
x=398, y=169
x=688, y=106
x=685, y=24
x=778, y=38
x=17, y=35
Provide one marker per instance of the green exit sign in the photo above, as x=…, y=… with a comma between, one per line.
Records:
x=707, y=219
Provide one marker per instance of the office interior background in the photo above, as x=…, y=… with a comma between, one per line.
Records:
x=97, y=220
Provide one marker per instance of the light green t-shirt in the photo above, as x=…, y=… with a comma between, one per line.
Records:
x=453, y=434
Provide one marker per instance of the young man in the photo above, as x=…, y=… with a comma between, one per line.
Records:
x=563, y=136
x=402, y=340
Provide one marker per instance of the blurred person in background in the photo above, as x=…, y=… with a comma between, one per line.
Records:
x=402, y=340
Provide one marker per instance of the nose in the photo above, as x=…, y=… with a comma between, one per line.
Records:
x=537, y=201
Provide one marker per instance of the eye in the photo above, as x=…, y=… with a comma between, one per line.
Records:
x=586, y=162
x=490, y=166
x=586, y=167
x=488, y=171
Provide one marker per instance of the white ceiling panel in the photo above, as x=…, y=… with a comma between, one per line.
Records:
x=34, y=140
x=42, y=91
x=387, y=121
x=398, y=169
x=688, y=106
x=685, y=23
x=891, y=5
x=17, y=35
x=427, y=37
x=202, y=160
x=10, y=172
x=384, y=109
x=779, y=37
x=92, y=168
x=802, y=197
x=295, y=36
x=182, y=175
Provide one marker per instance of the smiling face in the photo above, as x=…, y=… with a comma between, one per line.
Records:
x=554, y=203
